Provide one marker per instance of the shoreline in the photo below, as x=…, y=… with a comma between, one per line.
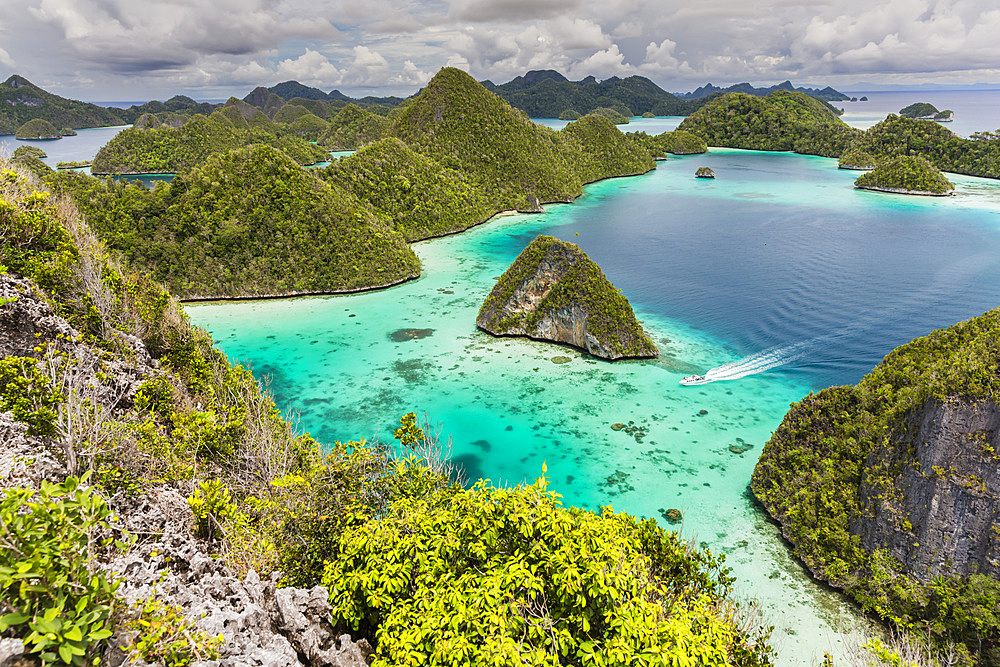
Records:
x=375, y=288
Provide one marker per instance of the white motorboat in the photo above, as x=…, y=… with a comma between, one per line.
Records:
x=694, y=379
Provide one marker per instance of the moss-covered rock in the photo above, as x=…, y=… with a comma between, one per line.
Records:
x=906, y=174
x=704, y=172
x=554, y=292
x=569, y=114
x=37, y=128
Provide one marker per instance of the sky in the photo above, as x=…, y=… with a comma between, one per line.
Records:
x=104, y=50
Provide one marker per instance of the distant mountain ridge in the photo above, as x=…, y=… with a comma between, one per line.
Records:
x=21, y=101
x=548, y=94
x=288, y=90
x=827, y=94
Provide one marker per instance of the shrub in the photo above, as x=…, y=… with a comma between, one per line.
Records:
x=509, y=576
x=49, y=592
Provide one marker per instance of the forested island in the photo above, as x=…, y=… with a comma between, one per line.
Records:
x=554, y=292
x=906, y=174
x=889, y=489
x=242, y=218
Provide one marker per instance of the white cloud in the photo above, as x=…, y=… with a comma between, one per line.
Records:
x=5, y=59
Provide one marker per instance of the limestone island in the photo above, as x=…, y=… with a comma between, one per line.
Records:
x=554, y=292
x=907, y=175
x=704, y=172
x=857, y=160
x=927, y=111
x=37, y=128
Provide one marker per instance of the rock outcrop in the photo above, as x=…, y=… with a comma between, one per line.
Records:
x=261, y=624
x=946, y=500
x=554, y=292
x=704, y=172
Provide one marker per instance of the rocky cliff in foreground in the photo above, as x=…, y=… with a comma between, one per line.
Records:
x=891, y=489
x=554, y=292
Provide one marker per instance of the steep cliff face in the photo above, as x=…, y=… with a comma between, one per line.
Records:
x=554, y=292
x=891, y=489
x=939, y=518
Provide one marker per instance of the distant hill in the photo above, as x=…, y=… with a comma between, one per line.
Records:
x=548, y=94
x=827, y=94
x=289, y=90
x=21, y=101
x=178, y=104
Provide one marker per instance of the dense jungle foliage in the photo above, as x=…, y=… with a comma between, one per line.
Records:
x=417, y=196
x=512, y=575
x=352, y=128
x=810, y=473
x=676, y=142
x=905, y=172
x=609, y=315
x=518, y=164
x=605, y=151
x=782, y=121
x=547, y=94
x=21, y=101
x=857, y=159
x=246, y=222
x=170, y=150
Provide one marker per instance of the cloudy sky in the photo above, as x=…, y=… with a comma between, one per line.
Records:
x=143, y=49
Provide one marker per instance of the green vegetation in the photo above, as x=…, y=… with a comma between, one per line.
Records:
x=704, y=172
x=782, y=121
x=518, y=164
x=352, y=128
x=606, y=152
x=614, y=115
x=516, y=579
x=21, y=101
x=25, y=151
x=857, y=159
x=180, y=106
x=170, y=150
x=810, y=475
x=48, y=593
x=569, y=114
x=977, y=156
x=681, y=142
x=73, y=164
x=417, y=196
x=579, y=282
x=67, y=132
x=547, y=94
x=500, y=564
x=909, y=174
x=919, y=110
x=649, y=114
x=37, y=129
x=247, y=222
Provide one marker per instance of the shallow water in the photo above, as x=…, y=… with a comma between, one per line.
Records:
x=83, y=146
x=778, y=253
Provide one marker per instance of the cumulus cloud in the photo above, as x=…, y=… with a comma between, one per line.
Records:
x=396, y=45
x=511, y=11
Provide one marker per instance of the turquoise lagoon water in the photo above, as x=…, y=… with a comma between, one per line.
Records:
x=778, y=254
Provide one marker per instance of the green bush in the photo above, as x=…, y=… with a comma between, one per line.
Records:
x=509, y=576
x=28, y=394
x=49, y=593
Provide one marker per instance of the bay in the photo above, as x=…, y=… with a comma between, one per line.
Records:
x=778, y=255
